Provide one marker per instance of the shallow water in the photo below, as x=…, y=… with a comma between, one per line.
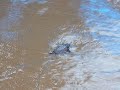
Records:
x=30, y=29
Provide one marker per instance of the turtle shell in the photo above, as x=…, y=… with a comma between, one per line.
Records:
x=61, y=49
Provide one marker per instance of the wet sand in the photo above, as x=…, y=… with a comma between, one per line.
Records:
x=30, y=29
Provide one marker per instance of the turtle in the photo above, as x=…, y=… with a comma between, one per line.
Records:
x=61, y=49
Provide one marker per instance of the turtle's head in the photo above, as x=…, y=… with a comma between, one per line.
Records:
x=67, y=45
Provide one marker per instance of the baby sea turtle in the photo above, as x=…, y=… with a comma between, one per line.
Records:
x=61, y=49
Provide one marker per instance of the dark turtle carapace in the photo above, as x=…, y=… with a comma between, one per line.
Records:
x=61, y=49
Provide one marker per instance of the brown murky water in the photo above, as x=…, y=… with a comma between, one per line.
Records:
x=30, y=29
